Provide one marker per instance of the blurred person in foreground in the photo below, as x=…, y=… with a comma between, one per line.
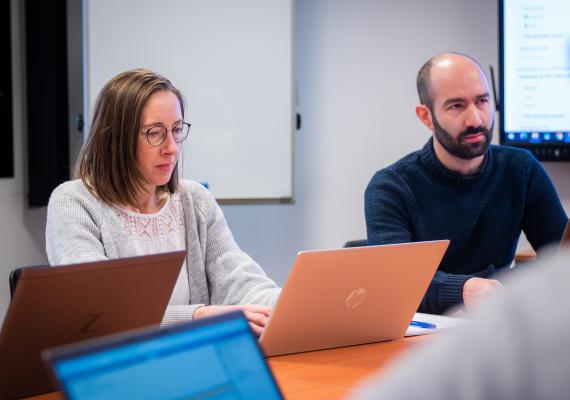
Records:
x=515, y=346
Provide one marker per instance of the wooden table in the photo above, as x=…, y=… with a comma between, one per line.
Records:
x=326, y=374
x=525, y=255
x=333, y=374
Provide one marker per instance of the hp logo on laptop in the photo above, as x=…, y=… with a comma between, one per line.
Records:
x=355, y=298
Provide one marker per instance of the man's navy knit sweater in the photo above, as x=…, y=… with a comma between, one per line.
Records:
x=418, y=199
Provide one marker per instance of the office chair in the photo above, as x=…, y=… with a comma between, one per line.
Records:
x=356, y=243
x=15, y=276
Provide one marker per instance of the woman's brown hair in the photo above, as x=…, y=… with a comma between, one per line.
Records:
x=107, y=161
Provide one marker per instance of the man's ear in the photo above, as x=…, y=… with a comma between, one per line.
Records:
x=424, y=114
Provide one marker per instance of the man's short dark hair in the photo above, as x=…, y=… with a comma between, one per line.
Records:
x=423, y=83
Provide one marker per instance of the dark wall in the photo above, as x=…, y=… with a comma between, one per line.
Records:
x=47, y=98
x=7, y=133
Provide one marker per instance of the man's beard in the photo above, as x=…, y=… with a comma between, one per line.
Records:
x=457, y=147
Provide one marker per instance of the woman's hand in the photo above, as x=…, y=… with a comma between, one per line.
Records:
x=257, y=315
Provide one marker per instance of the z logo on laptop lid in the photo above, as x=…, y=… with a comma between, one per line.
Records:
x=88, y=326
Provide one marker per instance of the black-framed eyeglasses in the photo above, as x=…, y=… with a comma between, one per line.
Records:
x=156, y=135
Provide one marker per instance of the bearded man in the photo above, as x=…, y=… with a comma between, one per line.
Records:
x=462, y=188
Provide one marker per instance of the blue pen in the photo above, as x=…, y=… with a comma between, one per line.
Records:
x=420, y=324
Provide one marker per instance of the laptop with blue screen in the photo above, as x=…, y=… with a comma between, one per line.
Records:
x=215, y=357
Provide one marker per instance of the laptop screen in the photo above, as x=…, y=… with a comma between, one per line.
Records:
x=216, y=358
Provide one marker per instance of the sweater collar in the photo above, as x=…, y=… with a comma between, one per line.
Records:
x=430, y=160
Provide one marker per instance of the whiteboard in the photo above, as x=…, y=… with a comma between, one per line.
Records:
x=232, y=61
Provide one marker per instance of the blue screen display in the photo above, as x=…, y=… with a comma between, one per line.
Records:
x=535, y=76
x=220, y=361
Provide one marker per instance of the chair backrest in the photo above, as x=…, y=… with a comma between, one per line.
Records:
x=15, y=276
x=356, y=243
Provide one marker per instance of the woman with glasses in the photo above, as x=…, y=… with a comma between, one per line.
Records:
x=127, y=200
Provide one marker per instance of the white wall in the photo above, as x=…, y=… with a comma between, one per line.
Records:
x=356, y=63
x=21, y=230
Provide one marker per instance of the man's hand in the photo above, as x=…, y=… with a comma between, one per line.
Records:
x=475, y=289
x=257, y=315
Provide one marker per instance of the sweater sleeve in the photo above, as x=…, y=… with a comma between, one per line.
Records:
x=73, y=233
x=389, y=206
x=179, y=313
x=544, y=219
x=444, y=291
x=388, y=217
x=233, y=277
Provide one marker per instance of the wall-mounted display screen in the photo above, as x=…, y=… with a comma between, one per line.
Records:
x=535, y=76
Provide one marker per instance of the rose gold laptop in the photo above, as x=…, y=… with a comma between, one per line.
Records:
x=350, y=296
x=55, y=306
